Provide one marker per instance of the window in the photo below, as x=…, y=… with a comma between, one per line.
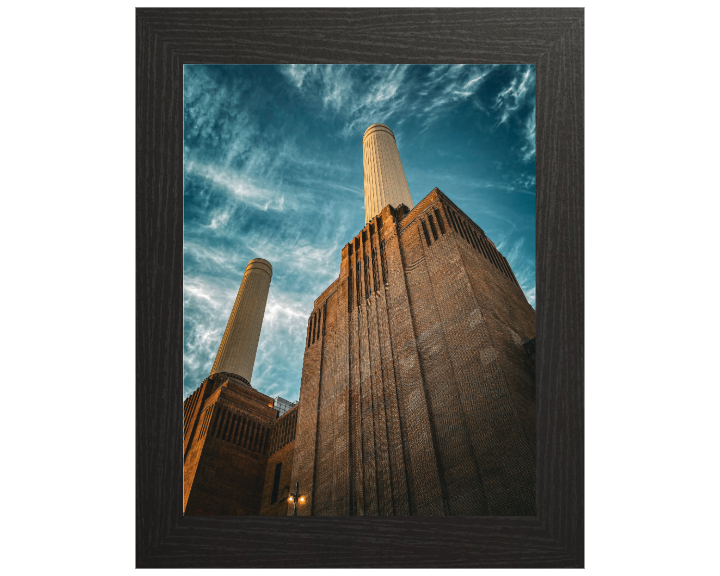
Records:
x=440, y=222
x=376, y=286
x=367, y=277
x=276, y=483
x=350, y=289
x=432, y=226
x=427, y=238
x=383, y=265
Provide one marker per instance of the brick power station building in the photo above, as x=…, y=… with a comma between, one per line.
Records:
x=418, y=383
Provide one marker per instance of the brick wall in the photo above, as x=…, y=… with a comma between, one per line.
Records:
x=281, y=451
x=226, y=455
x=417, y=396
x=233, y=450
x=284, y=457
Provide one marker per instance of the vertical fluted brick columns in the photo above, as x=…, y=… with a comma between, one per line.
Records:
x=239, y=343
x=385, y=181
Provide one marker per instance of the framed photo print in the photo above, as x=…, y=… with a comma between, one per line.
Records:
x=360, y=288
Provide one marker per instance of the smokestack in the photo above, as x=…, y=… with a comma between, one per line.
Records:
x=236, y=354
x=385, y=181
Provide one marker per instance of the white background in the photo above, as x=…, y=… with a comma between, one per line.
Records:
x=68, y=249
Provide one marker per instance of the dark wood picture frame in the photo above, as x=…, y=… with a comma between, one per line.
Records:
x=552, y=39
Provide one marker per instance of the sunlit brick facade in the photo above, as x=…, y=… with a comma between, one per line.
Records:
x=417, y=393
x=233, y=435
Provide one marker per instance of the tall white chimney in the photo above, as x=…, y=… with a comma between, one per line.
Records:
x=236, y=354
x=385, y=181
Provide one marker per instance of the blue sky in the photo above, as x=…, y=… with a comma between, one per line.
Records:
x=273, y=169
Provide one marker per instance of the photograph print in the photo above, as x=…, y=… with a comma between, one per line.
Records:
x=359, y=290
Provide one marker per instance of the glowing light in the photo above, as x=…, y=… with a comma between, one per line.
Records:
x=302, y=498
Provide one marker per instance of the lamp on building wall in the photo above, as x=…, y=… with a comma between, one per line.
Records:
x=293, y=497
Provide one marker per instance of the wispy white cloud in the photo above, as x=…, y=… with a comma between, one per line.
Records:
x=520, y=185
x=379, y=100
x=206, y=306
x=390, y=94
x=219, y=218
x=522, y=263
x=203, y=293
x=243, y=188
x=213, y=113
x=314, y=264
x=213, y=257
x=510, y=99
x=452, y=84
x=528, y=149
x=515, y=250
x=356, y=191
x=296, y=73
x=530, y=295
x=387, y=93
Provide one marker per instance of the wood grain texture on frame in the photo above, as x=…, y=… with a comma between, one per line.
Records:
x=552, y=39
